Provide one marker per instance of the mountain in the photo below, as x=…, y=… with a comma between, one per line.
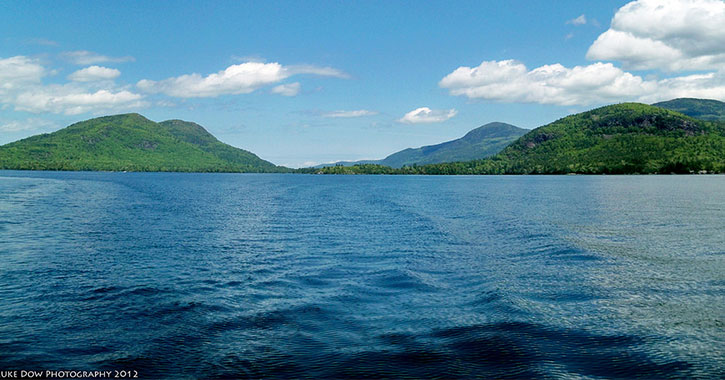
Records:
x=479, y=143
x=130, y=142
x=618, y=139
x=622, y=138
x=704, y=109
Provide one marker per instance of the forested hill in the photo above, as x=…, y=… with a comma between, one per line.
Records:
x=130, y=142
x=623, y=138
x=704, y=109
x=481, y=142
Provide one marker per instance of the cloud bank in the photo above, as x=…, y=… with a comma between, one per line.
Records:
x=21, y=86
x=243, y=78
x=672, y=35
x=668, y=36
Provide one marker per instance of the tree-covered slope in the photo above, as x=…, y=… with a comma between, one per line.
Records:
x=482, y=142
x=623, y=138
x=130, y=142
x=479, y=143
x=703, y=109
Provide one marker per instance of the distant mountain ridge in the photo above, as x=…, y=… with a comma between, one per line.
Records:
x=130, y=142
x=478, y=143
x=625, y=138
x=703, y=109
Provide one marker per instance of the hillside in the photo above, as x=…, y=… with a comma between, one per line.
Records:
x=703, y=109
x=133, y=143
x=623, y=138
x=479, y=143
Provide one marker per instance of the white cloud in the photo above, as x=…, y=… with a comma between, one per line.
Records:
x=706, y=86
x=71, y=100
x=31, y=124
x=94, y=73
x=663, y=35
x=236, y=79
x=21, y=87
x=670, y=35
x=355, y=113
x=598, y=83
x=85, y=57
x=427, y=115
x=19, y=71
x=287, y=89
x=581, y=20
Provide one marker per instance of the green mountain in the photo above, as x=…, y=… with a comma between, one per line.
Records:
x=479, y=143
x=704, y=109
x=624, y=138
x=130, y=142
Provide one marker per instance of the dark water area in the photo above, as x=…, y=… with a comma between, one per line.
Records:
x=287, y=276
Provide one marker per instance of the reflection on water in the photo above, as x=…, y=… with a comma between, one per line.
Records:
x=227, y=275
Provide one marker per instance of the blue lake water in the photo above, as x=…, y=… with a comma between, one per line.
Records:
x=263, y=275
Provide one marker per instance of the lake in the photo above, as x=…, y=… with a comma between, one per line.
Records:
x=173, y=275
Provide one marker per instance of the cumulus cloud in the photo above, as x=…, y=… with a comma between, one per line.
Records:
x=71, y=100
x=427, y=115
x=21, y=87
x=236, y=79
x=345, y=114
x=598, y=83
x=94, y=73
x=581, y=20
x=85, y=57
x=671, y=35
x=663, y=35
x=287, y=89
x=19, y=71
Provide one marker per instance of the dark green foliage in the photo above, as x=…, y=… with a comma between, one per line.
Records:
x=133, y=143
x=479, y=143
x=619, y=139
x=703, y=109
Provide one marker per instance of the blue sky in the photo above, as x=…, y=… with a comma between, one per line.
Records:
x=300, y=83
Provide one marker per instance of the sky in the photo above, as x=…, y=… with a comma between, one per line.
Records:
x=306, y=82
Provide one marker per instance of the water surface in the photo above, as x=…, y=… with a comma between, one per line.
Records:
x=262, y=275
